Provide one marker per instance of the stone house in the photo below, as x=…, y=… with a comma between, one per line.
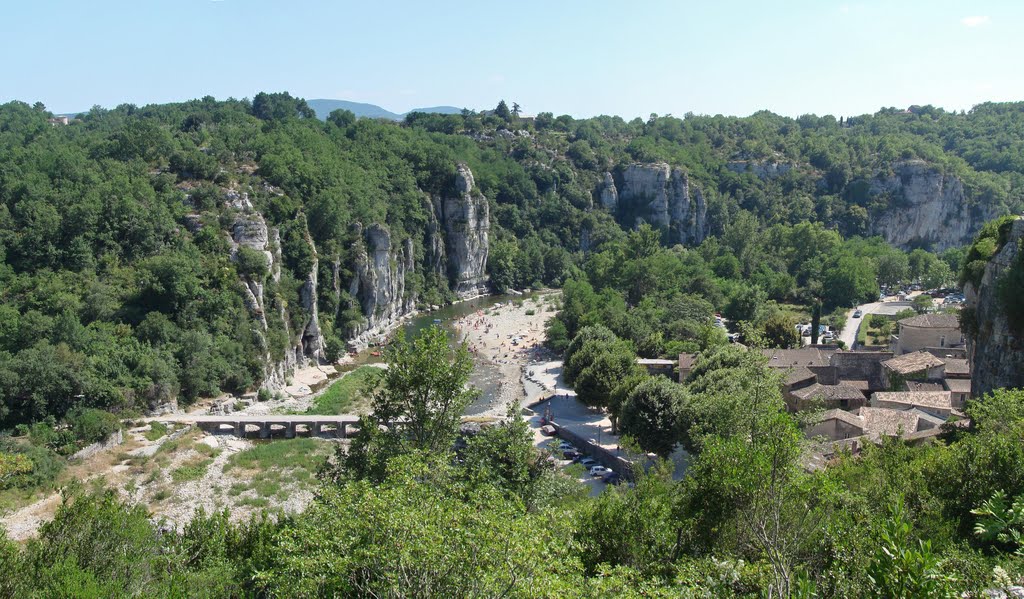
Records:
x=841, y=396
x=872, y=422
x=936, y=403
x=655, y=366
x=919, y=366
x=926, y=331
x=685, y=365
x=959, y=389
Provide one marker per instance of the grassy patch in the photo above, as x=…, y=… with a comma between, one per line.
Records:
x=287, y=454
x=348, y=392
x=255, y=502
x=156, y=430
x=190, y=471
x=862, y=333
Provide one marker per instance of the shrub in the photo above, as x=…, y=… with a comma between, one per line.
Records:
x=91, y=425
x=251, y=263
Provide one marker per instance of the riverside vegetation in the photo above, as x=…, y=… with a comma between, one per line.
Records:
x=404, y=512
x=123, y=286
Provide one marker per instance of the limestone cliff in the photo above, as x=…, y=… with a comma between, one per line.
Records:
x=372, y=286
x=925, y=208
x=378, y=284
x=996, y=354
x=465, y=217
x=660, y=196
x=249, y=229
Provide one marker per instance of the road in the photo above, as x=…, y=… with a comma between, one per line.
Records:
x=890, y=306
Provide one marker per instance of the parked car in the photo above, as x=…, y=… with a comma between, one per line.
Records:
x=570, y=454
x=599, y=470
x=588, y=462
x=612, y=478
x=566, y=446
x=858, y=314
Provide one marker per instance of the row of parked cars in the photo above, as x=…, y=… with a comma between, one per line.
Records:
x=570, y=452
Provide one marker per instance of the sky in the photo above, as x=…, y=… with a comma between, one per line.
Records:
x=584, y=58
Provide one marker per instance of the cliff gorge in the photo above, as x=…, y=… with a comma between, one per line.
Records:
x=925, y=208
x=659, y=195
x=995, y=351
x=381, y=292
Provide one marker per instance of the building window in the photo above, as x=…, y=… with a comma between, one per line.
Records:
x=942, y=341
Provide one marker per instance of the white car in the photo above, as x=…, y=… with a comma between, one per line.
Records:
x=599, y=470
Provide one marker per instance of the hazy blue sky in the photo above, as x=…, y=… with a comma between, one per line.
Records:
x=565, y=56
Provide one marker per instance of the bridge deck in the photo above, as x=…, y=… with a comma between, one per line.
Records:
x=266, y=426
x=254, y=419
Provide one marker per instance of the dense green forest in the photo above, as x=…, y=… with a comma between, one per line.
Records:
x=404, y=512
x=117, y=291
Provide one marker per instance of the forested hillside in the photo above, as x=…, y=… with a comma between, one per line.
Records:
x=179, y=250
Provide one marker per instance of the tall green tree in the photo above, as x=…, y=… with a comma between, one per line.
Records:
x=418, y=406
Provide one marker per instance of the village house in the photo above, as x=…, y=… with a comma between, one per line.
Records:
x=919, y=366
x=957, y=368
x=926, y=331
x=657, y=366
x=872, y=422
x=685, y=365
x=937, y=403
x=841, y=396
x=959, y=389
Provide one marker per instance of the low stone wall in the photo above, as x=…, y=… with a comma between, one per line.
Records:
x=113, y=439
x=606, y=458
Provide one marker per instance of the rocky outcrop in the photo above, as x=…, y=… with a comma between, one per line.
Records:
x=925, y=208
x=465, y=219
x=995, y=353
x=608, y=194
x=249, y=229
x=660, y=196
x=378, y=285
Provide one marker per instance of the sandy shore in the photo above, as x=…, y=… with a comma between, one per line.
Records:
x=509, y=337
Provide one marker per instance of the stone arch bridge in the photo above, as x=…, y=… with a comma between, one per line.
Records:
x=267, y=426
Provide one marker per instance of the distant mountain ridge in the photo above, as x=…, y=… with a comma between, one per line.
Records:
x=323, y=107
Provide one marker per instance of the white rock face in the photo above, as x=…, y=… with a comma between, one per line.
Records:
x=926, y=208
x=608, y=194
x=995, y=353
x=466, y=222
x=249, y=229
x=662, y=197
x=379, y=285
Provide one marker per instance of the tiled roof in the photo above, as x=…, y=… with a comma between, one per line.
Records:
x=957, y=366
x=932, y=321
x=958, y=385
x=831, y=392
x=857, y=384
x=919, y=386
x=913, y=362
x=798, y=374
x=883, y=421
x=928, y=399
x=807, y=356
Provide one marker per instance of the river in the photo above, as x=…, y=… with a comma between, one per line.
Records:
x=486, y=376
